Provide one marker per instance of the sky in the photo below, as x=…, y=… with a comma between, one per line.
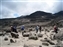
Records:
x=16, y=8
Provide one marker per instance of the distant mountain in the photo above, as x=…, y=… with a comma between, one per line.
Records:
x=39, y=14
x=58, y=18
x=59, y=13
x=34, y=19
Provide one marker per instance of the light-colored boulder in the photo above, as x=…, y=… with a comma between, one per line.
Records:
x=26, y=34
x=33, y=43
x=40, y=35
x=33, y=37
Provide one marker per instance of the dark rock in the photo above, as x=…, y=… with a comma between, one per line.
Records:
x=5, y=38
x=45, y=38
x=14, y=35
x=30, y=29
x=12, y=41
x=50, y=42
x=1, y=34
x=46, y=44
x=42, y=40
x=8, y=31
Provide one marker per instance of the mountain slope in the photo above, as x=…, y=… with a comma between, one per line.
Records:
x=35, y=18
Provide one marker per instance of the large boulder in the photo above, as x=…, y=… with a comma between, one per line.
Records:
x=14, y=35
x=45, y=44
x=59, y=43
x=33, y=43
x=32, y=46
x=59, y=35
x=33, y=37
x=40, y=35
x=50, y=42
x=25, y=34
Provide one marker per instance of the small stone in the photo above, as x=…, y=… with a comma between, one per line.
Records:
x=5, y=38
x=9, y=44
x=12, y=41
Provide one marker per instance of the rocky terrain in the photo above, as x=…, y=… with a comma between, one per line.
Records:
x=29, y=37
x=38, y=17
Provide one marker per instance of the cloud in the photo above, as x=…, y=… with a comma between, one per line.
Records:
x=15, y=8
x=30, y=0
x=7, y=13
